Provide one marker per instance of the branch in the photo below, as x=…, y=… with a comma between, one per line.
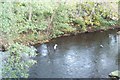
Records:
x=51, y=20
x=30, y=12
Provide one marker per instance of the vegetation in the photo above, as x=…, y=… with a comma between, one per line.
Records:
x=17, y=61
x=24, y=24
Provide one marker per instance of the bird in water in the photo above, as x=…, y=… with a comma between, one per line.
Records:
x=101, y=46
x=55, y=46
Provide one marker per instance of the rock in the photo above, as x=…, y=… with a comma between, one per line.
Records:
x=2, y=48
x=115, y=74
x=118, y=32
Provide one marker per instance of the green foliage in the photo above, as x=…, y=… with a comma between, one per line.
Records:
x=15, y=17
x=18, y=61
x=61, y=21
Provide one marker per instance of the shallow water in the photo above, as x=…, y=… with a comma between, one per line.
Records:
x=79, y=56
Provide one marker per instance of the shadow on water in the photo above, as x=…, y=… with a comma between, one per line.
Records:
x=79, y=56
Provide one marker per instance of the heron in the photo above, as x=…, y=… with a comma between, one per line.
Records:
x=55, y=46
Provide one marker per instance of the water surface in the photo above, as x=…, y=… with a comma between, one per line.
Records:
x=79, y=56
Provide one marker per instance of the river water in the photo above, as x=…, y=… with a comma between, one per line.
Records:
x=88, y=55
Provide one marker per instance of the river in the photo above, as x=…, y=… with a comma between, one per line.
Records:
x=86, y=55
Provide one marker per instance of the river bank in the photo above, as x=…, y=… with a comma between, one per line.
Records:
x=41, y=40
x=30, y=39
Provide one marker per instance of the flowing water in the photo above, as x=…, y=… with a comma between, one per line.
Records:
x=88, y=55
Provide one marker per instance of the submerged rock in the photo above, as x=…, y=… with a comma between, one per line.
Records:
x=115, y=74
